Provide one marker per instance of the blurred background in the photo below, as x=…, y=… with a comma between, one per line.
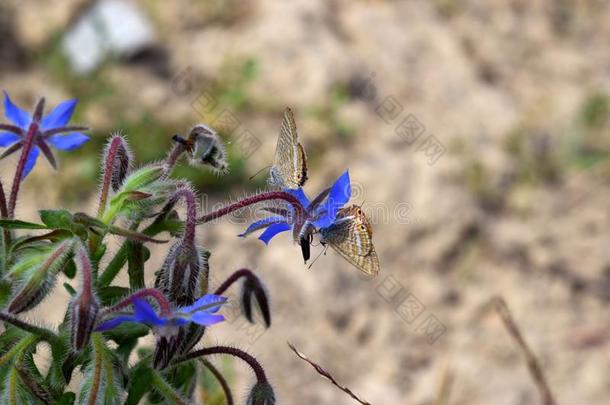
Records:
x=477, y=137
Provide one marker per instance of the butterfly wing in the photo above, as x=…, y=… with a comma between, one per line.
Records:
x=351, y=236
x=289, y=168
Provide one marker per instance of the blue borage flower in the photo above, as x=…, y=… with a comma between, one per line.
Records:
x=53, y=131
x=321, y=211
x=201, y=312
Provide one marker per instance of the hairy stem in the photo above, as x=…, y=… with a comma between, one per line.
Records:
x=166, y=389
x=266, y=196
x=27, y=147
x=221, y=380
x=172, y=157
x=233, y=278
x=232, y=351
x=120, y=257
x=84, y=265
x=110, y=163
x=42, y=332
x=164, y=305
x=6, y=234
x=188, y=236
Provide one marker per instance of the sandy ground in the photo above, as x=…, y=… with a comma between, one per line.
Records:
x=452, y=229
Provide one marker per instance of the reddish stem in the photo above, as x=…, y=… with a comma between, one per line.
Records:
x=233, y=278
x=164, y=305
x=3, y=208
x=27, y=147
x=266, y=196
x=4, y=214
x=188, y=237
x=172, y=157
x=85, y=268
x=252, y=362
x=110, y=157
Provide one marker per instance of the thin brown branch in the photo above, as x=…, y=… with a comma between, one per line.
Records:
x=328, y=376
x=533, y=364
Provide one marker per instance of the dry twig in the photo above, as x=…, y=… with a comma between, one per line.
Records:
x=533, y=364
x=327, y=375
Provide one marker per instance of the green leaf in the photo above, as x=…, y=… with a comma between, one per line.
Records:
x=18, y=224
x=57, y=219
x=110, y=295
x=70, y=289
x=53, y=236
x=67, y=398
x=70, y=269
x=139, y=384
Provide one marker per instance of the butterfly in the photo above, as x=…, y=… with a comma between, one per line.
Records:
x=289, y=168
x=351, y=235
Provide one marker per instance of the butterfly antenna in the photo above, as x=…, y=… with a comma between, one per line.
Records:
x=257, y=173
x=318, y=256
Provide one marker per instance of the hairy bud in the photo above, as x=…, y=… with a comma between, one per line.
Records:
x=178, y=275
x=253, y=288
x=83, y=314
x=36, y=282
x=85, y=306
x=261, y=394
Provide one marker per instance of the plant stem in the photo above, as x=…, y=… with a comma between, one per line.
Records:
x=164, y=305
x=6, y=234
x=172, y=157
x=110, y=158
x=84, y=265
x=27, y=147
x=221, y=380
x=233, y=278
x=120, y=257
x=166, y=389
x=42, y=332
x=252, y=362
x=188, y=236
x=266, y=196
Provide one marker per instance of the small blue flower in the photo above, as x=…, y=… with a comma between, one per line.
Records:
x=321, y=211
x=52, y=131
x=201, y=312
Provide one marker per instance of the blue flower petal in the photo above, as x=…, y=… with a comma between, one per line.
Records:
x=114, y=322
x=145, y=313
x=60, y=115
x=339, y=195
x=300, y=195
x=205, y=301
x=29, y=164
x=205, y=319
x=255, y=226
x=8, y=138
x=69, y=141
x=15, y=114
x=273, y=230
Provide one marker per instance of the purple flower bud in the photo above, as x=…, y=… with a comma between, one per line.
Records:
x=253, y=288
x=261, y=394
x=120, y=157
x=83, y=315
x=85, y=306
x=178, y=277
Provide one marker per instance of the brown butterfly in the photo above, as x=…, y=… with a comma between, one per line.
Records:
x=289, y=168
x=351, y=235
